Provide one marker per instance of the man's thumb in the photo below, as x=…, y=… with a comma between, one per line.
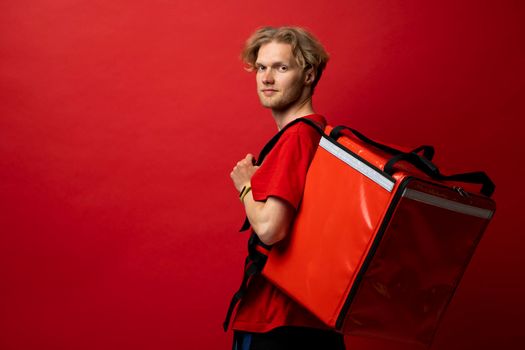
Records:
x=250, y=158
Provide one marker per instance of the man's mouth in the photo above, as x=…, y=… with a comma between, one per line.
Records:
x=268, y=92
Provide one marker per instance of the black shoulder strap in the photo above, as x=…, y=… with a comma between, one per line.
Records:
x=270, y=144
x=253, y=264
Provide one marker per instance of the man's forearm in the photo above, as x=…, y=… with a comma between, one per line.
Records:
x=271, y=219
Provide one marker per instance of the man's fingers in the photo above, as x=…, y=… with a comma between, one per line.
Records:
x=248, y=160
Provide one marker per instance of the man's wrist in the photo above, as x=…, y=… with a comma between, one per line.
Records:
x=244, y=191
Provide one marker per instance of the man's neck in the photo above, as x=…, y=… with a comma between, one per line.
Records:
x=296, y=111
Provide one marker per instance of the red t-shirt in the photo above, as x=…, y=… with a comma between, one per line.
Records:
x=282, y=175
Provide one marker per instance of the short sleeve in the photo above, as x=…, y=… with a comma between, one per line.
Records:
x=283, y=171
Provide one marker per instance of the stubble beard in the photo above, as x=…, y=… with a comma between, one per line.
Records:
x=281, y=103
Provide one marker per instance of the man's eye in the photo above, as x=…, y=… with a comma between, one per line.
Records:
x=283, y=68
x=260, y=68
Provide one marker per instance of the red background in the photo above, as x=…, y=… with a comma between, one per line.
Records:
x=120, y=122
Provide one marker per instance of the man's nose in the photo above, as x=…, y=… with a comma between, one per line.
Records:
x=268, y=76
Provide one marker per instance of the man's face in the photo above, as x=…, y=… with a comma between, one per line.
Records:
x=280, y=80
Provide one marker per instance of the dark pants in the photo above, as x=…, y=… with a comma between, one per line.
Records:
x=289, y=338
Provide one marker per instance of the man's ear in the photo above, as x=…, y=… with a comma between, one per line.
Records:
x=309, y=77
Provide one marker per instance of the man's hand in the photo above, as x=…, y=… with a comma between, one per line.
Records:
x=243, y=172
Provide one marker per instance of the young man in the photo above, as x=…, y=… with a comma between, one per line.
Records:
x=288, y=62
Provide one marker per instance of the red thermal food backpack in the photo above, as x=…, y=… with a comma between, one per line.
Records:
x=381, y=238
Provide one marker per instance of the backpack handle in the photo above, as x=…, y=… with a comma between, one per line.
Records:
x=428, y=151
x=430, y=169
